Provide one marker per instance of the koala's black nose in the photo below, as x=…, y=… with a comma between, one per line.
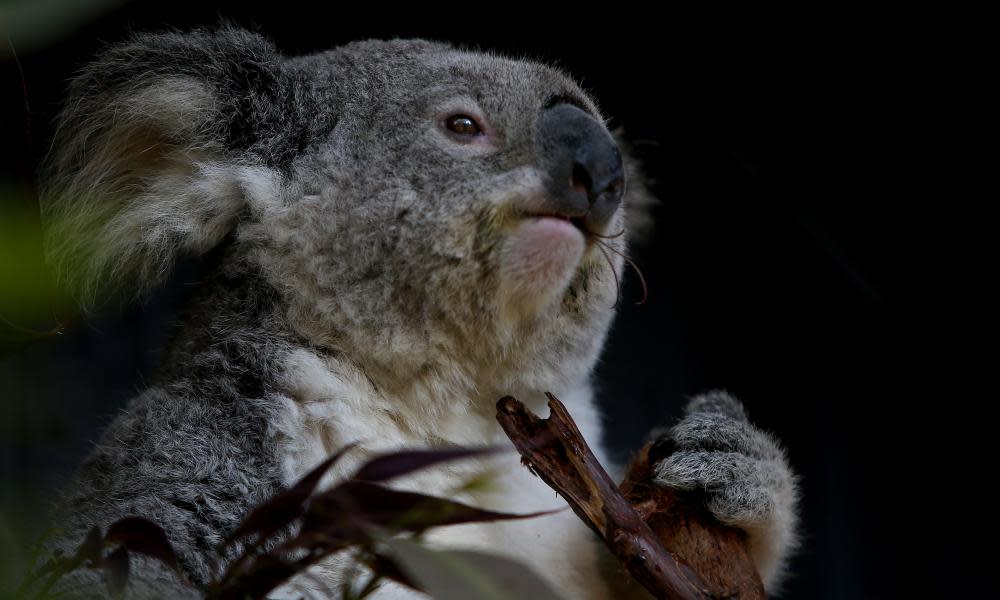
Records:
x=586, y=176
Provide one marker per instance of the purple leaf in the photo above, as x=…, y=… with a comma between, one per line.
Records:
x=116, y=564
x=285, y=506
x=326, y=538
x=58, y=565
x=90, y=548
x=263, y=575
x=142, y=536
x=402, y=511
x=386, y=567
x=395, y=464
x=310, y=480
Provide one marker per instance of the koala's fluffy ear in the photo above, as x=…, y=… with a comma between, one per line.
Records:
x=639, y=200
x=149, y=153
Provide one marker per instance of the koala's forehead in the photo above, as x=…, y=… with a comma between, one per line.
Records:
x=404, y=67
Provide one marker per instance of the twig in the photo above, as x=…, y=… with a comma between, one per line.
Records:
x=649, y=528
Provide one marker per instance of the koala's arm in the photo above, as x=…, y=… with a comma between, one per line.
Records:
x=148, y=579
x=192, y=467
x=746, y=480
x=744, y=474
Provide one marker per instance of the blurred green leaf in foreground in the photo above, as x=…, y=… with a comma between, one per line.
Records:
x=301, y=526
x=31, y=306
x=31, y=24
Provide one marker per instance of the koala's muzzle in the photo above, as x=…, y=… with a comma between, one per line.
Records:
x=586, y=177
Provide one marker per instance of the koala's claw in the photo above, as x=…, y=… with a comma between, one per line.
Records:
x=716, y=432
x=740, y=490
x=742, y=471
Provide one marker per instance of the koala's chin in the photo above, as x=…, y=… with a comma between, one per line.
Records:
x=538, y=262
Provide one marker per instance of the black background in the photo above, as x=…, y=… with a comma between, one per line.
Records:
x=820, y=250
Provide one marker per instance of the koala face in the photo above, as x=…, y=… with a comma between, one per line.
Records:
x=419, y=208
x=442, y=209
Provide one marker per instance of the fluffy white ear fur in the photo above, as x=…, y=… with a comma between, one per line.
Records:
x=134, y=183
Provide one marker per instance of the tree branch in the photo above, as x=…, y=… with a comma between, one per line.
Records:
x=648, y=527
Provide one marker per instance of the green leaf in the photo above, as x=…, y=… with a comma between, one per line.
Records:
x=466, y=574
x=266, y=573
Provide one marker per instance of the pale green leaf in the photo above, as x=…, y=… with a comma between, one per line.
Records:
x=466, y=574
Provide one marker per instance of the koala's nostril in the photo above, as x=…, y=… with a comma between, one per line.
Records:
x=586, y=176
x=598, y=172
x=611, y=184
x=581, y=180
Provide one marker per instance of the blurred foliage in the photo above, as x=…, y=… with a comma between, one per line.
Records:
x=108, y=552
x=300, y=526
x=31, y=309
x=31, y=305
x=465, y=574
x=32, y=24
x=13, y=556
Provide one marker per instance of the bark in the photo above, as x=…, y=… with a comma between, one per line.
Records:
x=667, y=540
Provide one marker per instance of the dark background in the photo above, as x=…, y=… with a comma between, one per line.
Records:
x=820, y=250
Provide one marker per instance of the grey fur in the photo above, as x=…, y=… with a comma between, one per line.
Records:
x=743, y=472
x=194, y=452
x=348, y=231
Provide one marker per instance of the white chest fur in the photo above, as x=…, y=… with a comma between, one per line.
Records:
x=328, y=406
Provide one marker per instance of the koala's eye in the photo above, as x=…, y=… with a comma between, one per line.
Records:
x=462, y=125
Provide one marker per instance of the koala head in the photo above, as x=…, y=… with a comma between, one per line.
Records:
x=421, y=209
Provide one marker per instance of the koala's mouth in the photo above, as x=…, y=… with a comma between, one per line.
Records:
x=540, y=256
x=532, y=203
x=579, y=222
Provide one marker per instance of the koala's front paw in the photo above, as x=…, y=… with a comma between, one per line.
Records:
x=743, y=472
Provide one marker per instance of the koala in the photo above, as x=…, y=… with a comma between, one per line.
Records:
x=395, y=234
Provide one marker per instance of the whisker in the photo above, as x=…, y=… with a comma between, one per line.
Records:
x=635, y=267
x=604, y=237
